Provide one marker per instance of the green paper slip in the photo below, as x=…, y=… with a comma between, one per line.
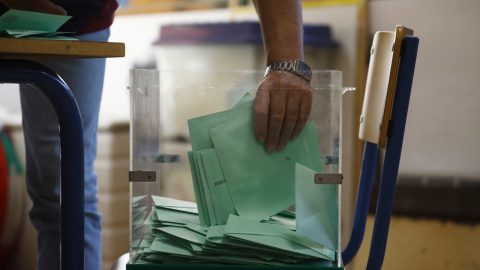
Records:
x=34, y=34
x=201, y=204
x=197, y=228
x=206, y=191
x=174, y=204
x=185, y=234
x=216, y=236
x=145, y=244
x=275, y=237
x=33, y=21
x=167, y=223
x=200, y=127
x=166, y=245
x=28, y=24
x=12, y=159
x=174, y=216
x=200, y=139
x=316, y=208
x=261, y=184
x=247, y=99
x=217, y=186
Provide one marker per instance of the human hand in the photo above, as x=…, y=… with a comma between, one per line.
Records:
x=44, y=6
x=281, y=109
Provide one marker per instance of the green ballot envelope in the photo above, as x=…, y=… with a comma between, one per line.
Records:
x=316, y=208
x=200, y=127
x=261, y=184
x=217, y=186
x=234, y=173
x=205, y=187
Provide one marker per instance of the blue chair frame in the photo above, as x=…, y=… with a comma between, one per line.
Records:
x=390, y=167
x=72, y=191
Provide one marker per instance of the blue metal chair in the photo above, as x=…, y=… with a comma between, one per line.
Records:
x=406, y=67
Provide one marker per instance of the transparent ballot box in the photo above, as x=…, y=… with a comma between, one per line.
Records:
x=205, y=194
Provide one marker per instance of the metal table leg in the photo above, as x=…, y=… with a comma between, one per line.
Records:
x=72, y=192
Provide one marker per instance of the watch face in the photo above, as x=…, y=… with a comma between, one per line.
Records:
x=304, y=69
x=297, y=67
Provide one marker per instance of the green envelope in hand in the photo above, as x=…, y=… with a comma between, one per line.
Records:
x=316, y=208
x=199, y=127
x=275, y=237
x=261, y=184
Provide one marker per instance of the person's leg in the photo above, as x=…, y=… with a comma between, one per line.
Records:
x=85, y=79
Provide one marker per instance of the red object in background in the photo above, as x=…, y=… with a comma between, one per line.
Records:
x=4, y=250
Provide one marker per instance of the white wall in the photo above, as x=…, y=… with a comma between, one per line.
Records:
x=443, y=126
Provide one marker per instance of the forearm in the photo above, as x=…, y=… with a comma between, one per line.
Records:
x=282, y=29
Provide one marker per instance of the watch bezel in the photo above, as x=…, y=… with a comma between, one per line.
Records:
x=297, y=67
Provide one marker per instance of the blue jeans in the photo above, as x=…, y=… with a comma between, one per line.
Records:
x=85, y=79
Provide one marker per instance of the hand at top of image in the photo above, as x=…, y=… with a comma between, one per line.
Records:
x=44, y=6
x=281, y=109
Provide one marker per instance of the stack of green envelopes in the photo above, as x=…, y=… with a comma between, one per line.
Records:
x=178, y=238
x=33, y=25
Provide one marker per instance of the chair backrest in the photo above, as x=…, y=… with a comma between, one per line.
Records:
x=375, y=131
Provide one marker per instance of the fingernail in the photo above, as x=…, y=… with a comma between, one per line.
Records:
x=270, y=148
x=261, y=139
x=293, y=138
x=281, y=147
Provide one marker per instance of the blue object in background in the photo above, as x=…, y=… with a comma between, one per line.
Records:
x=235, y=33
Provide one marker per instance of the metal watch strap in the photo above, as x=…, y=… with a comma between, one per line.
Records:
x=297, y=67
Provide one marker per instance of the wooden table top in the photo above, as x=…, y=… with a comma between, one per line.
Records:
x=42, y=49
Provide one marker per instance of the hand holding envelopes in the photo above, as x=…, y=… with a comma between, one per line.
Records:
x=316, y=208
x=233, y=174
x=261, y=184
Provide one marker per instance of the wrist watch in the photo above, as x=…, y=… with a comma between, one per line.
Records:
x=297, y=67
